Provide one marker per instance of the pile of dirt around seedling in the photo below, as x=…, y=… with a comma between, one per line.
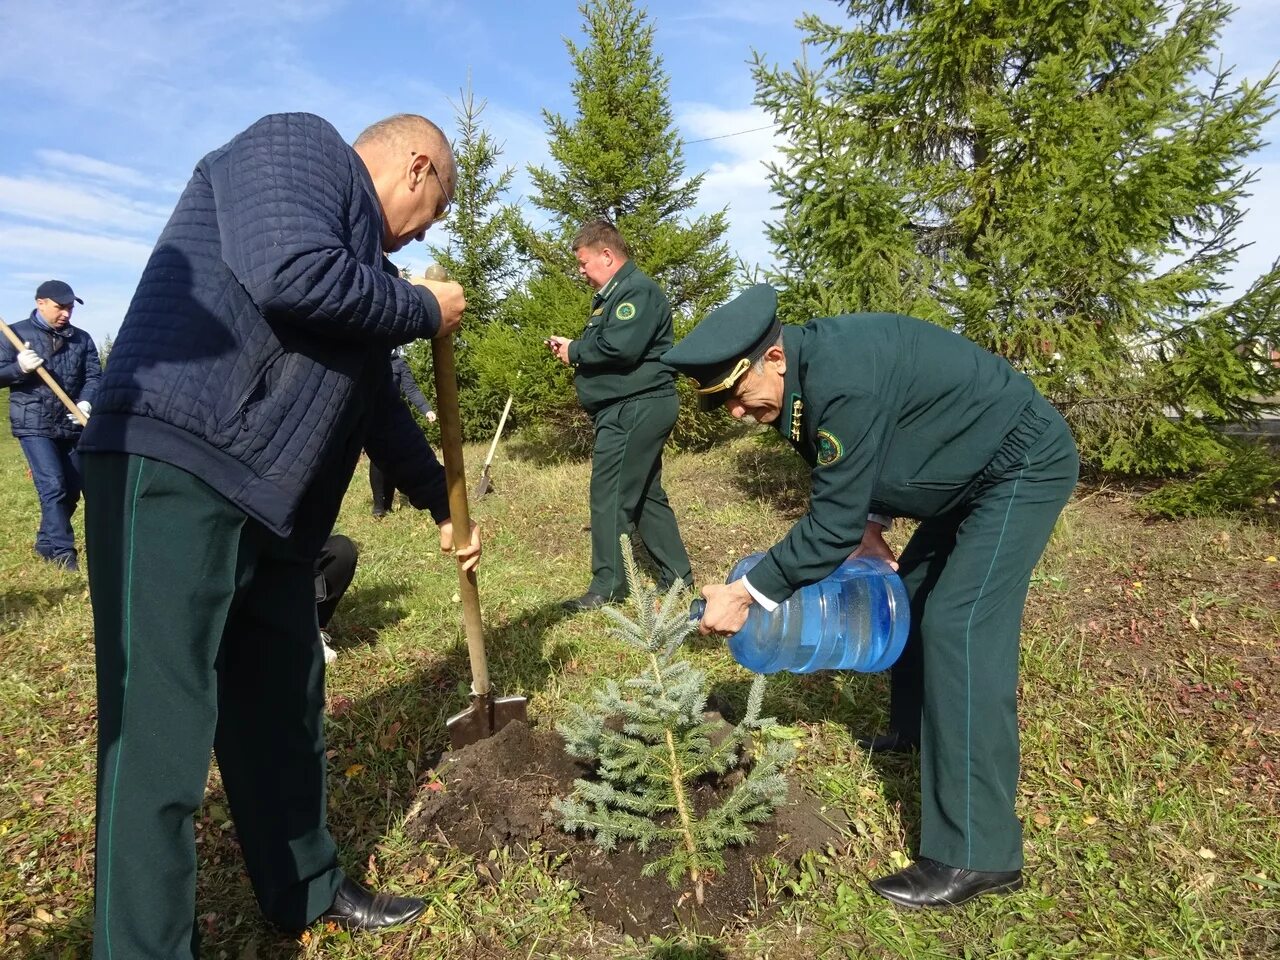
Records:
x=496, y=793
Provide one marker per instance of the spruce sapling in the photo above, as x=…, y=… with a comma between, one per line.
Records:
x=651, y=744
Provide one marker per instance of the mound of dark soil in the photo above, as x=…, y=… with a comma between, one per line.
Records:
x=497, y=792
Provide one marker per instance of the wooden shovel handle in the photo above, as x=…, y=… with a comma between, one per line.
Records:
x=455, y=474
x=502, y=422
x=46, y=376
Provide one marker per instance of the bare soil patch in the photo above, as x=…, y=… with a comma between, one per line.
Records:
x=496, y=793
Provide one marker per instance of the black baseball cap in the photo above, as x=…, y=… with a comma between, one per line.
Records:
x=57, y=291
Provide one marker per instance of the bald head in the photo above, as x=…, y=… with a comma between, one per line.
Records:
x=403, y=131
x=411, y=163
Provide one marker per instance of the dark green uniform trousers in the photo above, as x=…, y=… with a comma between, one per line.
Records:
x=626, y=492
x=955, y=688
x=206, y=637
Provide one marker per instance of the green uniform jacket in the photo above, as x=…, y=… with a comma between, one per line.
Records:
x=617, y=355
x=896, y=416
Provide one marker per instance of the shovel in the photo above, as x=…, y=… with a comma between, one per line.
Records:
x=46, y=376
x=487, y=714
x=484, y=484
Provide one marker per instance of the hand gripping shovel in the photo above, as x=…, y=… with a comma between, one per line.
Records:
x=484, y=484
x=487, y=714
x=46, y=376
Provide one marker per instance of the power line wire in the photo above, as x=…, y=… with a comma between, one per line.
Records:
x=725, y=136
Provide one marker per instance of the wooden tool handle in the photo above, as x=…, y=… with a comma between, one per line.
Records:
x=46, y=376
x=455, y=474
x=502, y=422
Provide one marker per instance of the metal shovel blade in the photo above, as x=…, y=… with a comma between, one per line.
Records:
x=483, y=485
x=485, y=717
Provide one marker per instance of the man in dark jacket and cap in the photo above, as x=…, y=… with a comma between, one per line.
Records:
x=899, y=417
x=250, y=370
x=45, y=429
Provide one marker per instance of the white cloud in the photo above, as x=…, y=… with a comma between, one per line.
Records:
x=760, y=13
x=65, y=251
x=736, y=177
x=103, y=171
x=47, y=201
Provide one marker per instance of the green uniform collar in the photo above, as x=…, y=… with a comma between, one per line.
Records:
x=624, y=271
x=790, y=422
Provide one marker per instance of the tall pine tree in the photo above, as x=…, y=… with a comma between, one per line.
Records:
x=1060, y=181
x=619, y=157
x=480, y=255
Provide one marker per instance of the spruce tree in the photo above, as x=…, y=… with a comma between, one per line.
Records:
x=481, y=256
x=651, y=744
x=620, y=157
x=1061, y=182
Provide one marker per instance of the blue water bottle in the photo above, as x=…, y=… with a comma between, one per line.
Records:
x=855, y=619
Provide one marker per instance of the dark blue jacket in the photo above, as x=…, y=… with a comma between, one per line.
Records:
x=255, y=352
x=34, y=410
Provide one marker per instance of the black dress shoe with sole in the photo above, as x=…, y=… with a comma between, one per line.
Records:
x=355, y=908
x=891, y=742
x=588, y=601
x=928, y=883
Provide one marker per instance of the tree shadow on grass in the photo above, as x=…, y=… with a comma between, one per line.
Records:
x=770, y=472
x=566, y=436
x=16, y=605
x=380, y=748
x=366, y=610
x=372, y=741
x=859, y=702
x=402, y=727
x=682, y=949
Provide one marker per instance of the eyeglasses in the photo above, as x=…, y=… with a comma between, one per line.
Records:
x=448, y=200
x=742, y=366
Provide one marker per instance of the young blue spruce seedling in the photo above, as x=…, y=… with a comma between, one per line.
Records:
x=652, y=745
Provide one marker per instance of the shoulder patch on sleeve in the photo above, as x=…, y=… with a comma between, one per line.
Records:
x=830, y=449
x=625, y=311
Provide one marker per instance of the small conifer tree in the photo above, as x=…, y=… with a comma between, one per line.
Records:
x=651, y=744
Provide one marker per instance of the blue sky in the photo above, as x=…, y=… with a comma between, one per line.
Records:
x=107, y=106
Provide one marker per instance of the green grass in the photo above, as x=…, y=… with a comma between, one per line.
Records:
x=1151, y=738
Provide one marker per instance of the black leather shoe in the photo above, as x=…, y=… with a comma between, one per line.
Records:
x=355, y=908
x=928, y=883
x=891, y=742
x=588, y=601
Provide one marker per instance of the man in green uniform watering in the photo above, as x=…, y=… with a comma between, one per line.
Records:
x=900, y=417
x=631, y=397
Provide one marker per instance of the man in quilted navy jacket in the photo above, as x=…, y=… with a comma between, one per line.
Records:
x=250, y=370
x=45, y=430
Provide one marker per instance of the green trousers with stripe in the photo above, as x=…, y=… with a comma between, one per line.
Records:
x=955, y=689
x=206, y=639
x=626, y=492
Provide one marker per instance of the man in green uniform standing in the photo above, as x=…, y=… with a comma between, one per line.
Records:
x=898, y=416
x=631, y=397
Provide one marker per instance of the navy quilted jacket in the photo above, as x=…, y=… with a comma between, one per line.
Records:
x=254, y=354
x=34, y=410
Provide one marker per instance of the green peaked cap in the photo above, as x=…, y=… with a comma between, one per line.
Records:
x=712, y=354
